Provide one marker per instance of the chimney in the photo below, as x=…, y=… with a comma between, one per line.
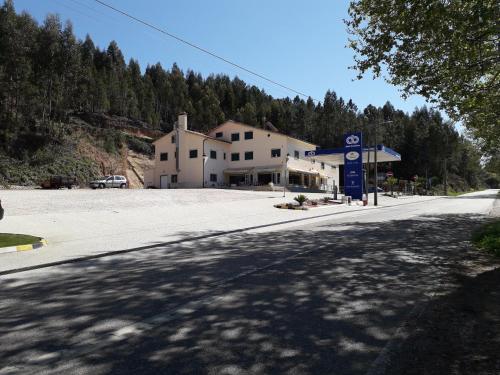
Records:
x=182, y=121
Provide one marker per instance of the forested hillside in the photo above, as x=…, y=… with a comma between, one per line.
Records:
x=48, y=77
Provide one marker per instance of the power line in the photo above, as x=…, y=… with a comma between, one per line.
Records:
x=184, y=41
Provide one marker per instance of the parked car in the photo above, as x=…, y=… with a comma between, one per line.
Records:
x=112, y=181
x=57, y=182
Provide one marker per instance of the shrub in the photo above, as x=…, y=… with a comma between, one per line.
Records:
x=139, y=145
x=300, y=199
x=488, y=238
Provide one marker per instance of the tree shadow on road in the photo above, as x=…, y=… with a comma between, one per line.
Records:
x=457, y=334
x=314, y=300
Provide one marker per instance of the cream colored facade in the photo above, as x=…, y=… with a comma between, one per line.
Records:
x=235, y=155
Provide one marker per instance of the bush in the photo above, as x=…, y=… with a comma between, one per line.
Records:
x=139, y=145
x=488, y=238
x=300, y=199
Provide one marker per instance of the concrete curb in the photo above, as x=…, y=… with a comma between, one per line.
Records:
x=33, y=246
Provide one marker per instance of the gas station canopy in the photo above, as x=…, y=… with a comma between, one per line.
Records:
x=336, y=155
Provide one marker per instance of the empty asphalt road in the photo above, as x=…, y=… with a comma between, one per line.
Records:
x=318, y=298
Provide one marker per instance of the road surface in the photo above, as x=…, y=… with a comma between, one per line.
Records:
x=307, y=298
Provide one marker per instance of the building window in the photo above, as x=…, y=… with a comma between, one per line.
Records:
x=164, y=156
x=248, y=135
x=224, y=156
x=173, y=138
x=218, y=135
x=235, y=137
x=276, y=178
x=213, y=177
x=249, y=155
x=296, y=154
x=322, y=165
x=235, y=156
x=213, y=154
x=193, y=154
x=173, y=178
x=275, y=153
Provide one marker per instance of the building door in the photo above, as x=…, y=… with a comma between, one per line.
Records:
x=164, y=181
x=264, y=178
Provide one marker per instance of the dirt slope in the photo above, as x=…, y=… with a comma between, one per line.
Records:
x=136, y=165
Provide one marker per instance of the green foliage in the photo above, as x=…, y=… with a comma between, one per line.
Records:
x=446, y=51
x=140, y=145
x=40, y=166
x=112, y=141
x=391, y=181
x=300, y=199
x=492, y=171
x=488, y=238
x=10, y=239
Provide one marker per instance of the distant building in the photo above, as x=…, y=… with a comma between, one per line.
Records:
x=236, y=155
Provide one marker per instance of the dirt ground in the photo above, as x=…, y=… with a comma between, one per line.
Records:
x=458, y=333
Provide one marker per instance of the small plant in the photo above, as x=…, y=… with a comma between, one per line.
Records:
x=326, y=199
x=300, y=199
x=391, y=181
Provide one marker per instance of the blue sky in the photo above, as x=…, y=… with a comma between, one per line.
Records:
x=298, y=43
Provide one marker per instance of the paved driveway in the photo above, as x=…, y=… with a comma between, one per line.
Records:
x=318, y=299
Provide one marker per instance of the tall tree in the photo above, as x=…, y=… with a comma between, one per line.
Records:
x=446, y=51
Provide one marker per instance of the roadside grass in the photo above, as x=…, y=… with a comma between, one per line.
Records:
x=456, y=193
x=453, y=193
x=487, y=237
x=11, y=239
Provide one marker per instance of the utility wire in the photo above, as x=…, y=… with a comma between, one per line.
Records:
x=145, y=23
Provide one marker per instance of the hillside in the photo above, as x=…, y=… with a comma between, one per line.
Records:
x=85, y=150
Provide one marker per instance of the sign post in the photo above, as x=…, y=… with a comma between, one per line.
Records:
x=353, y=165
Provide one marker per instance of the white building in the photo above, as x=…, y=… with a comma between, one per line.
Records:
x=236, y=155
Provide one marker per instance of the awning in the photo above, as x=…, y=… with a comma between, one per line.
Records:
x=237, y=170
x=271, y=168
x=335, y=156
x=303, y=170
x=268, y=168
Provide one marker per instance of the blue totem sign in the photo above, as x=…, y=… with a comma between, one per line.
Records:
x=353, y=165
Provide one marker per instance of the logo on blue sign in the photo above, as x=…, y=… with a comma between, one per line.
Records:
x=352, y=139
x=353, y=165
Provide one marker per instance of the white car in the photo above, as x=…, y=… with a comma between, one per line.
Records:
x=113, y=181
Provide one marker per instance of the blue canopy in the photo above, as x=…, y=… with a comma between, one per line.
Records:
x=336, y=155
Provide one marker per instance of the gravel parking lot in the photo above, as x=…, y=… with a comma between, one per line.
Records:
x=83, y=222
x=38, y=201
